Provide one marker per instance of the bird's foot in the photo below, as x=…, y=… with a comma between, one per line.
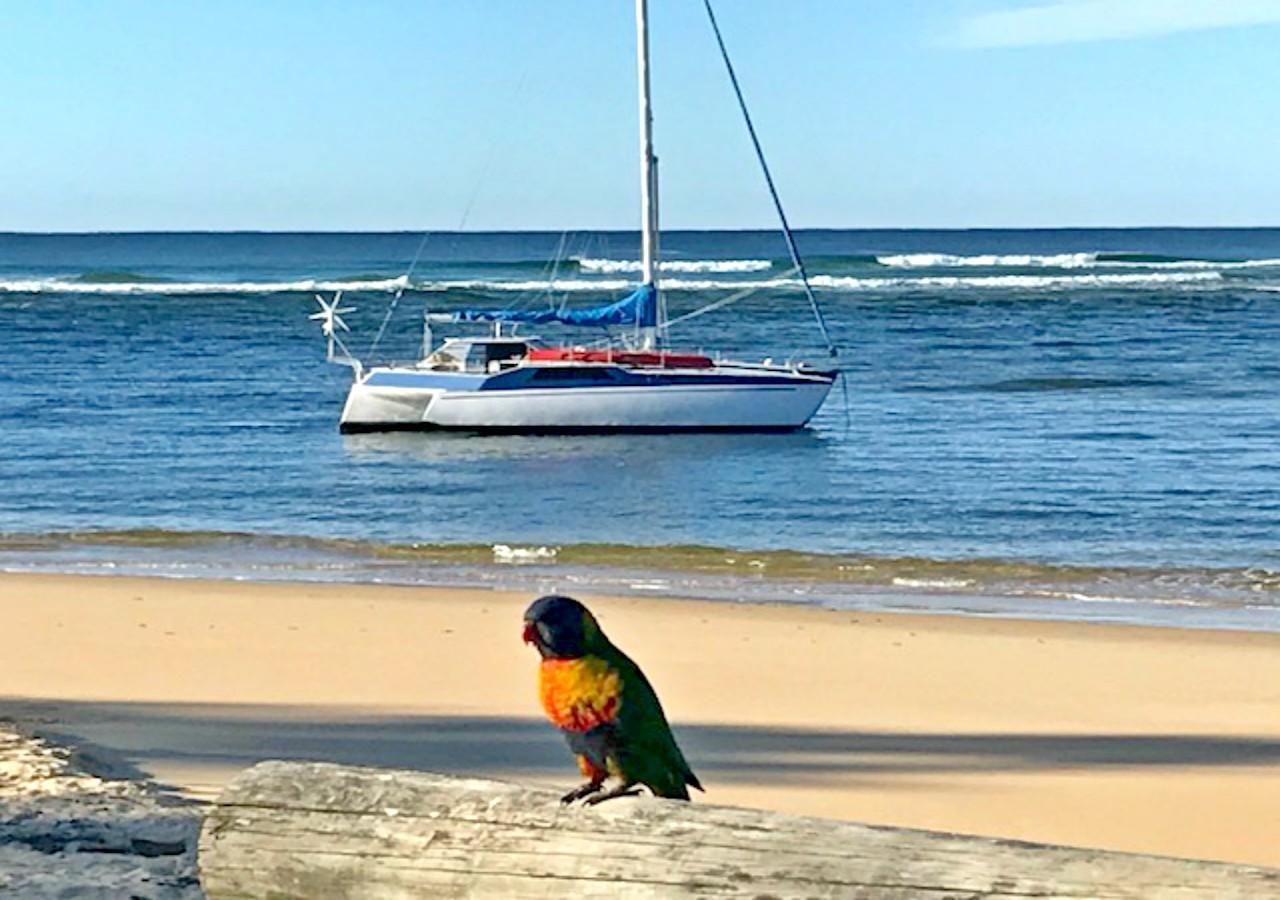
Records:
x=585, y=790
x=622, y=790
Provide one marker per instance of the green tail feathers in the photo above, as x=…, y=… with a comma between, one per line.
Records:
x=647, y=750
x=677, y=788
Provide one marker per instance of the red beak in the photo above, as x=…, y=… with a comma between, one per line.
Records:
x=529, y=633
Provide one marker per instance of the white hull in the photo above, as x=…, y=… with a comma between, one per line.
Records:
x=774, y=405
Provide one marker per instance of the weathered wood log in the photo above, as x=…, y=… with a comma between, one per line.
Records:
x=326, y=831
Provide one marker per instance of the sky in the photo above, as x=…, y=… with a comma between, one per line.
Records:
x=510, y=114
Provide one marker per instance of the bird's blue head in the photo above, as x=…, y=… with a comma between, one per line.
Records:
x=560, y=627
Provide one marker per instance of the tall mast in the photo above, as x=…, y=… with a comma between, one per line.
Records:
x=648, y=169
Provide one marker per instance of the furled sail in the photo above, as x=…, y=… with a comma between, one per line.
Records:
x=638, y=308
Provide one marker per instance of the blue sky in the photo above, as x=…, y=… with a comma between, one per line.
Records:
x=494, y=114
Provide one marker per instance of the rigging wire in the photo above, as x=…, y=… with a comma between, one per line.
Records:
x=417, y=255
x=386, y=319
x=723, y=302
x=773, y=191
x=395, y=301
x=553, y=271
x=406, y=278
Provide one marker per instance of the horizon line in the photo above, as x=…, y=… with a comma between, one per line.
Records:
x=620, y=231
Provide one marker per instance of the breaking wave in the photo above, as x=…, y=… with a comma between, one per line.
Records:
x=845, y=283
x=989, y=261
x=125, y=283
x=616, y=266
x=1151, y=261
x=1065, y=261
x=1026, y=282
x=119, y=286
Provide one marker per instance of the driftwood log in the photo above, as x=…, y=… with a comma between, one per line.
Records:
x=323, y=831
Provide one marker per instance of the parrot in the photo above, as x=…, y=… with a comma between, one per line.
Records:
x=604, y=706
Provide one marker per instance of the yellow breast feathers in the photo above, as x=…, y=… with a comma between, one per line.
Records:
x=579, y=694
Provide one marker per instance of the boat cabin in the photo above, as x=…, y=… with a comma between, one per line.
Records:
x=478, y=354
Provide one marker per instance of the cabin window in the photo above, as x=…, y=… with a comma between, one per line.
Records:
x=500, y=353
x=487, y=357
x=477, y=358
x=565, y=374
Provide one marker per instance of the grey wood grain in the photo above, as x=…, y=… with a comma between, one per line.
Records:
x=314, y=830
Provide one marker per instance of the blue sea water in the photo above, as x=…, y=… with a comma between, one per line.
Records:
x=1067, y=420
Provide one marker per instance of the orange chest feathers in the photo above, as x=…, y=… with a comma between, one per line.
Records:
x=579, y=694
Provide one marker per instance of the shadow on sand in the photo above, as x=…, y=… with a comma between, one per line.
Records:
x=128, y=739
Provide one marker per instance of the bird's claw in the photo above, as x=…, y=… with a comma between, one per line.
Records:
x=585, y=790
x=625, y=791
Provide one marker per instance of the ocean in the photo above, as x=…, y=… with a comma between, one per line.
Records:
x=1079, y=424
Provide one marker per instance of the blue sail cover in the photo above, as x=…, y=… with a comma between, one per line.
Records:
x=640, y=307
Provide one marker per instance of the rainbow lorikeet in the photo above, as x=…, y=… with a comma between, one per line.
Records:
x=604, y=706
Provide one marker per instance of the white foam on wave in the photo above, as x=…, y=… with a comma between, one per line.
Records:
x=713, y=284
x=62, y=286
x=690, y=266
x=1193, y=264
x=840, y=283
x=851, y=282
x=1059, y=261
x=1248, y=264
x=991, y=260
x=933, y=583
x=504, y=553
x=1081, y=597
x=559, y=285
x=1024, y=282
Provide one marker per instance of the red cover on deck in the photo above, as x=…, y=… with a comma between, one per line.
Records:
x=658, y=358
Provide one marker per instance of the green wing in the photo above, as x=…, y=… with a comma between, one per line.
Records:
x=643, y=744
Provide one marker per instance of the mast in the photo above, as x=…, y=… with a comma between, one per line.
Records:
x=649, y=336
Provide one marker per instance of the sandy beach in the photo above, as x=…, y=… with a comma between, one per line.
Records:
x=1141, y=739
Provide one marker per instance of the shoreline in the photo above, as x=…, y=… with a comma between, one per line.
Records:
x=1239, y=598
x=1147, y=739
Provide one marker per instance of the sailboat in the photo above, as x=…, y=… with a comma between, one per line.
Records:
x=507, y=383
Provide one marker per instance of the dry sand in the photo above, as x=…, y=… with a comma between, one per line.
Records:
x=1142, y=739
